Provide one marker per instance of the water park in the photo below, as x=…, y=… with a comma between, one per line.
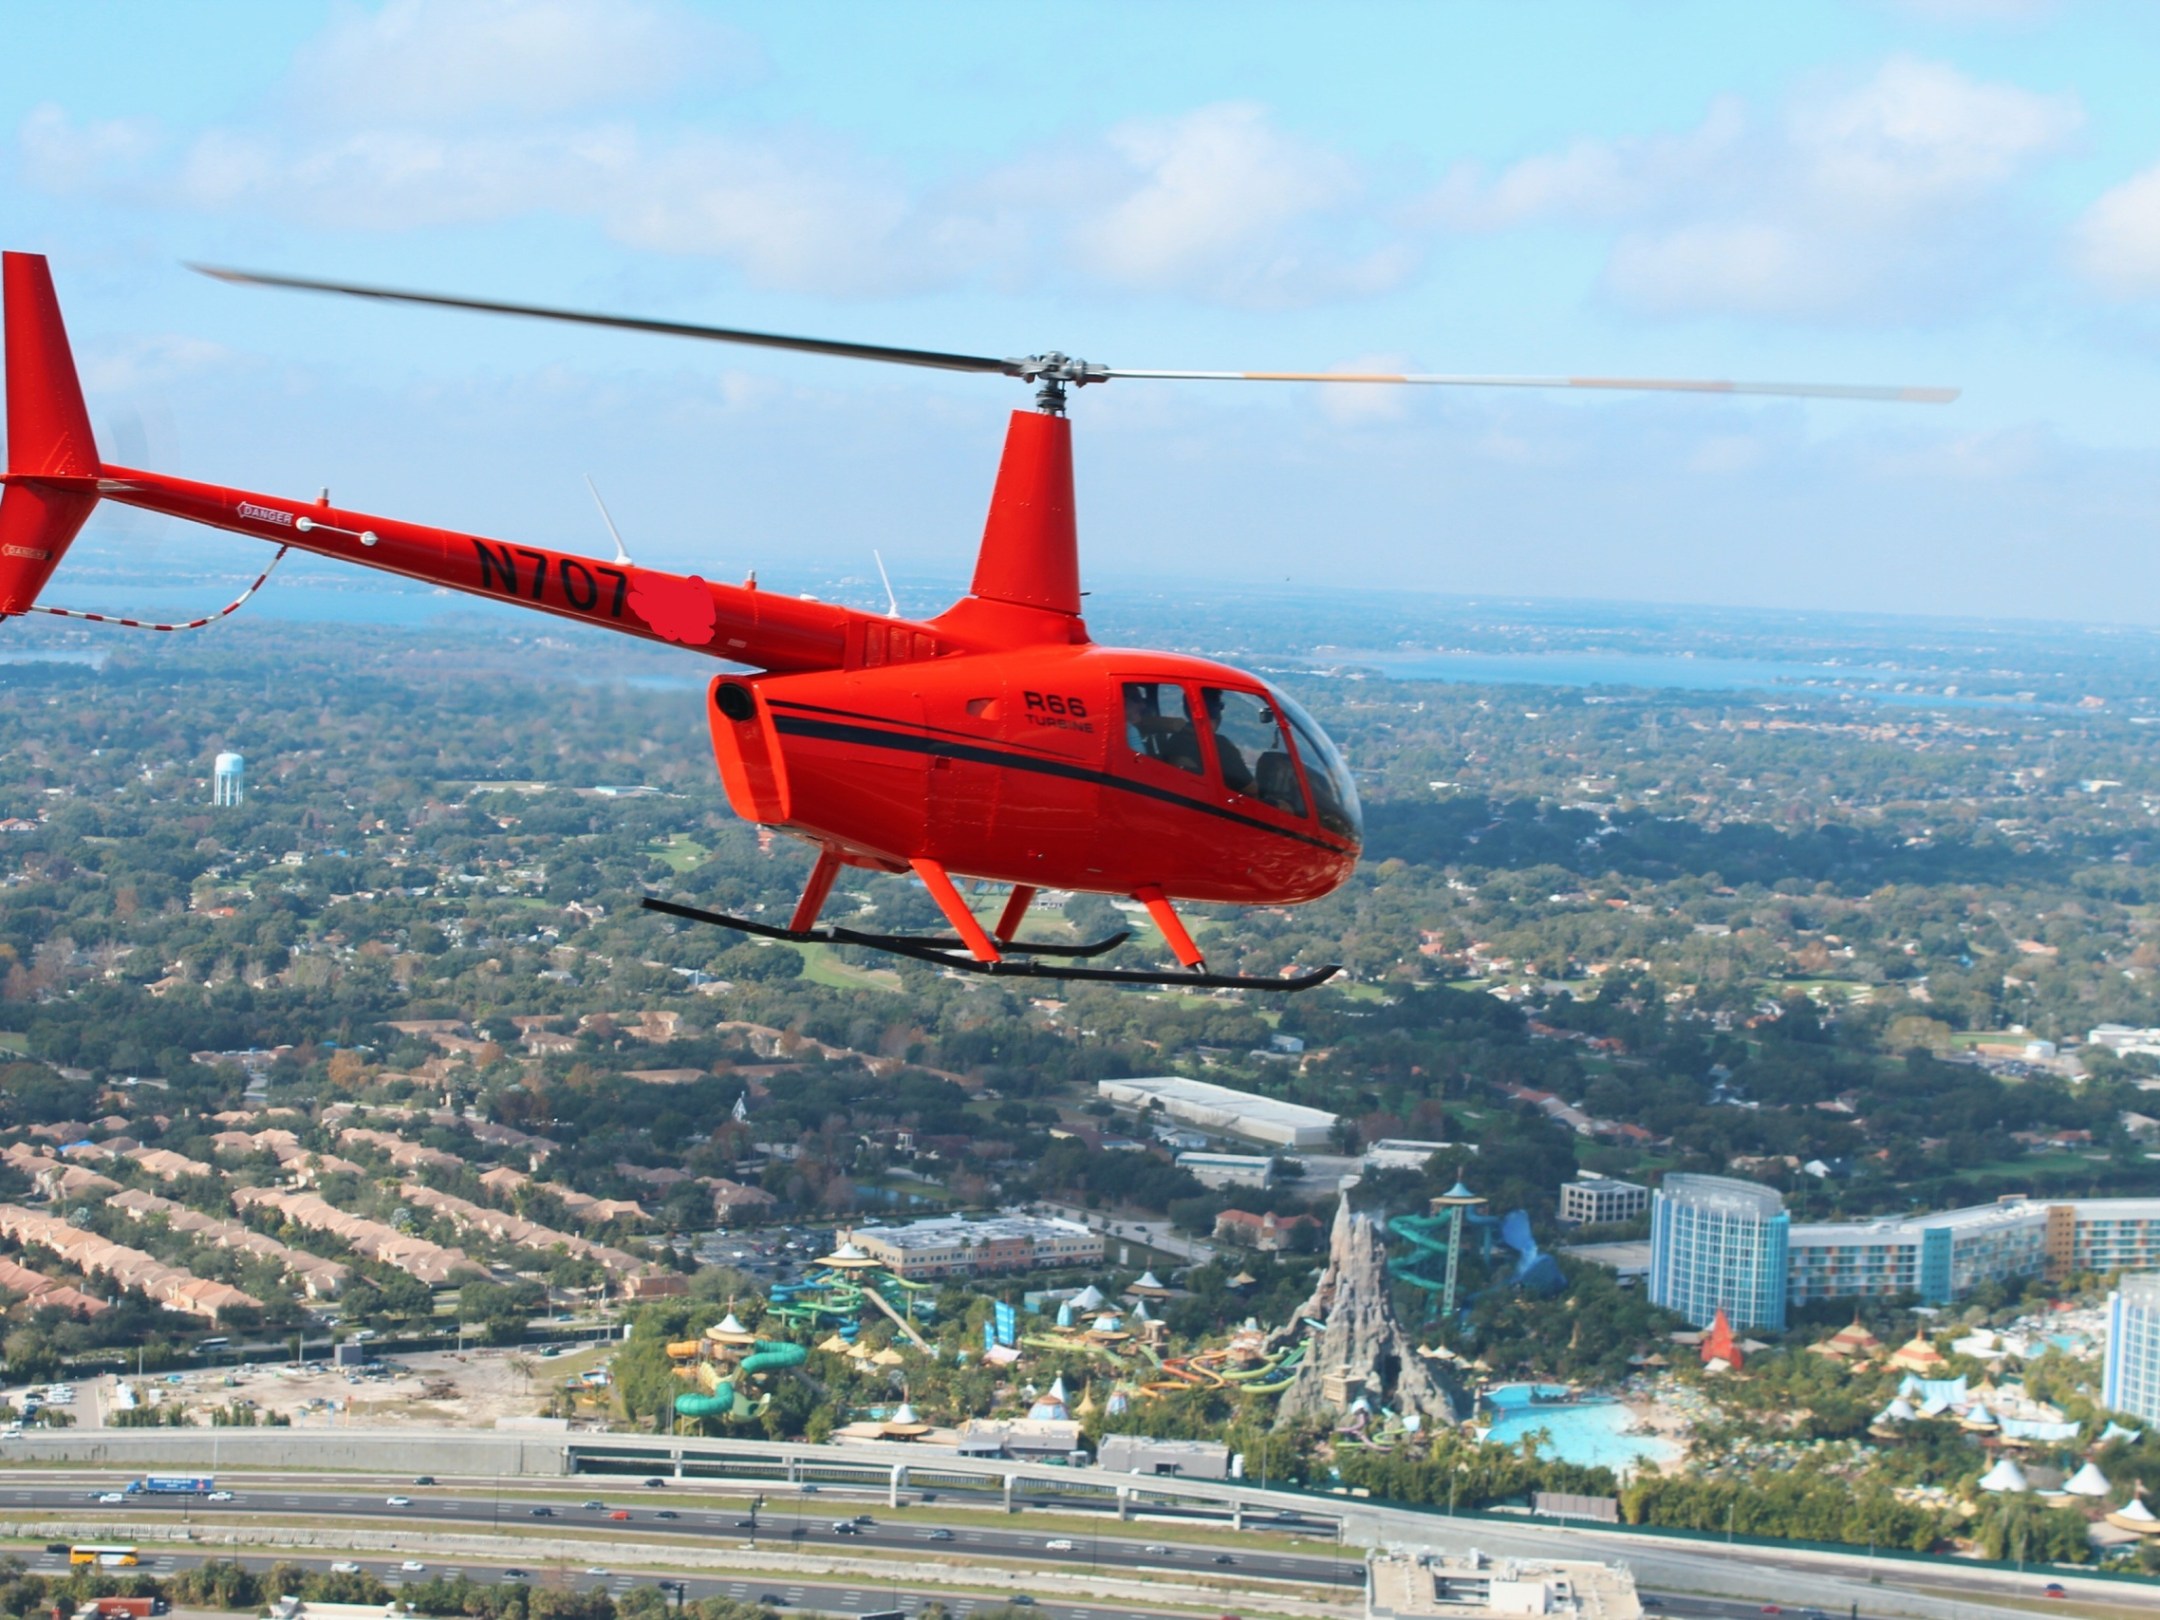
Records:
x=1343, y=1359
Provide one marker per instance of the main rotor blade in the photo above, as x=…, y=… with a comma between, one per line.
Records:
x=1905, y=396
x=633, y=323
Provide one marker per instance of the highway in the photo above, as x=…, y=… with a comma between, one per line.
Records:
x=789, y=1521
x=823, y=1597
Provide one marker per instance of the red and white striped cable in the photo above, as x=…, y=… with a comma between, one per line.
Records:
x=192, y=624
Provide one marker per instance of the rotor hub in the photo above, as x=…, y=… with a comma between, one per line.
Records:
x=1054, y=372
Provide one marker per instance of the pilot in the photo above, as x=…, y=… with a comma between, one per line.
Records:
x=1156, y=735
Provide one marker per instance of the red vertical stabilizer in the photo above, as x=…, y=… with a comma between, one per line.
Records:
x=52, y=460
x=1031, y=550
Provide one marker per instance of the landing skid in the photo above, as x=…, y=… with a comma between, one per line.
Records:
x=905, y=944
x=947, y=952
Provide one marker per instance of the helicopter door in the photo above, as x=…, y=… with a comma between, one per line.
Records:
x=1020, y=796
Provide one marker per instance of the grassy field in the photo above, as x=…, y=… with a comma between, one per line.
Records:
x=679, y=851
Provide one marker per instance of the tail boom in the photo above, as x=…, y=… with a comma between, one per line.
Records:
x=738, y=623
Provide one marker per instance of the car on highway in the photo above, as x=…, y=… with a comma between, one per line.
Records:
x=413, y=1566
x=939, y=1534
x=424, y=1479
x=220, y=1496
x=516, y=1575
x=864, y=1518
x=344, y=1566
x=667, y=1513
x=772, y=1600
x=620, y=1515
x=1288, y=1515
x=596, y=1569
x=845, y=1527
x=656, y=1483
x=1156, y=1548
x=397, y=1501
x=1224, y=1558
x=1059, y=1545
x=2054, y=1589
x=541, y=1512
x=746, y=1524
x=595, y=1506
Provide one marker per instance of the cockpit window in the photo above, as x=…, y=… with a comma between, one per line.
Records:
x=1249, y=746
x=1158, y=724
x=1334, y=793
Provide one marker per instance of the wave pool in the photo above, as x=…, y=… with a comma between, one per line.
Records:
x=1592, y=1433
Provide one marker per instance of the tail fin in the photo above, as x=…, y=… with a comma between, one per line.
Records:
x=1030, y=550
x=52, y=461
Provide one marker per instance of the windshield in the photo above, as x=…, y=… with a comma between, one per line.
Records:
x=1334, y=794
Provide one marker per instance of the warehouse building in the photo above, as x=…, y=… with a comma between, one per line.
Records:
x=1224, y=1111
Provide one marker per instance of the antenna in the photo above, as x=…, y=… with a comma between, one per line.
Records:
x=892, y=602
x=621, y=555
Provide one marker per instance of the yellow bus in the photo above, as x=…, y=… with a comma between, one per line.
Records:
x=104, y=1555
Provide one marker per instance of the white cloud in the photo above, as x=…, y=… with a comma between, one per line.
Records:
x=449, y=61
x=2117, y=242
x=1219, y=197
x=1922, y=135
x=1218, y=204
x=1869, y=199
x=1593, y=181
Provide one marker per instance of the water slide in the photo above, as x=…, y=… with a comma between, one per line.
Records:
x=766, y=1356
x=873, y=1297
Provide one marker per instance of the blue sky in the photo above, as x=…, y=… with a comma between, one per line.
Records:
x=1934, y=191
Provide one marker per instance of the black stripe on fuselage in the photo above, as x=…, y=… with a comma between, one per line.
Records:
x=911, y=743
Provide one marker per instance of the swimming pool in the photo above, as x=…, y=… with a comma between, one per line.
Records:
x=1591, y=1433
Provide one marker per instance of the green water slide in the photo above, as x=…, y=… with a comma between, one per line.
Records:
x=772, y=1355
x=1427, y=1236
x=766, y=1356
x=720, y=1403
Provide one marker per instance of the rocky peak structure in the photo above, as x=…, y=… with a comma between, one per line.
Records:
x=1360, y=1349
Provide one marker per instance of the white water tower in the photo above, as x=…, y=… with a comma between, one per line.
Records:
x=228, y=784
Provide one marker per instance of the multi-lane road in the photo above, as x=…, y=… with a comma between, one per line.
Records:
x=828, y=1596
x=643, y=1515
x=563, y=1565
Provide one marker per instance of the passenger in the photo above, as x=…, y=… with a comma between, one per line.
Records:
x=1237, y=775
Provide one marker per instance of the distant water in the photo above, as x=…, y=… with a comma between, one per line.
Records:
x=1672, y=672
x=1589, y=1433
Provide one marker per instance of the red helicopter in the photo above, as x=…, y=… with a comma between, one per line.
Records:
x=995, y=741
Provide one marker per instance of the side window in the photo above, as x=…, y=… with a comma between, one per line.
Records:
x=1158, y=724
x=1250, y=747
